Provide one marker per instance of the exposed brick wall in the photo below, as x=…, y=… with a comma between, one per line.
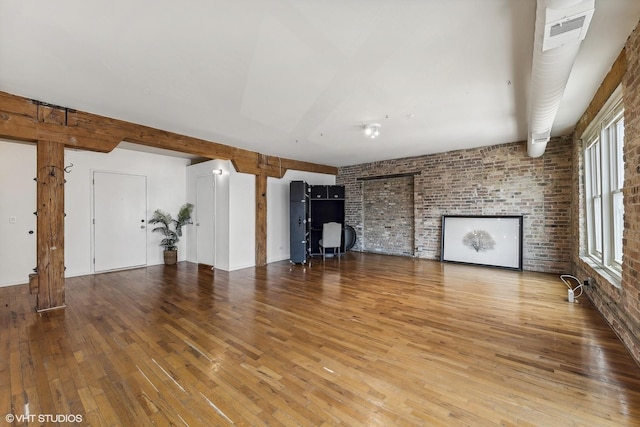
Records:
x=495, y=180
x=620, y=306
x=388, y=216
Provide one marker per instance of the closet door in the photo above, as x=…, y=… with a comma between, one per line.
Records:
x=119, y=221
x=205, y=229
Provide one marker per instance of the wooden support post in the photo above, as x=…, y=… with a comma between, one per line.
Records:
x=50, y=234
x=33, y=283
x=261, y=219
x=55, y=127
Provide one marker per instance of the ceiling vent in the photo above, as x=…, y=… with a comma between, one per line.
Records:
x=561, y=25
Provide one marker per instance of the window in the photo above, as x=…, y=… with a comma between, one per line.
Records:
x=604, y=180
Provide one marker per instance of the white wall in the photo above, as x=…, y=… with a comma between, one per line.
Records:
x=17, y=200
x=236, y=210
x=242, y=220
x=278, y=210
x=167, y=188
x=234, y=216
x=166, y=182
x=193, y=172
x=221, y=213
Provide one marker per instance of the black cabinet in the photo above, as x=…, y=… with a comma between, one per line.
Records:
x=322, y=211
x=335, y=192
x=319, y=192
x=298, y=221
x=322, y=204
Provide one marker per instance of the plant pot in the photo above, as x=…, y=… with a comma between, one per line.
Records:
x=170, y=257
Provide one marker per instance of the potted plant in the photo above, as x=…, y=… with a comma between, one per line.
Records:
x=171, y=229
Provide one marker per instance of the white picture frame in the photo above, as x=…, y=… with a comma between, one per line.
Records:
x=493, y=241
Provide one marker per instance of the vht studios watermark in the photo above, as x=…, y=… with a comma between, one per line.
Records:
x=43, y=418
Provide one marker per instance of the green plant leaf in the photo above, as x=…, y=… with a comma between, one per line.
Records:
x=165, y=222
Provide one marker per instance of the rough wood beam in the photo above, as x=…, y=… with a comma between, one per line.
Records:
x=27, y=120
x=611, y=81
x=279, y=166
x=17, y=117
x=77, y=138
x=261, y=220
x=257, y=166
x=276, y=167
x=157, y=138
x=50, y=222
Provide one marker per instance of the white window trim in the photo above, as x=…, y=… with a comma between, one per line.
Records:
x=603, y=263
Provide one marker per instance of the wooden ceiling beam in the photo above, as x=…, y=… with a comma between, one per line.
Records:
x=17, y=118
x=28, y=120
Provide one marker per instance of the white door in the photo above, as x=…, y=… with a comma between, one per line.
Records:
x=205, y=230
x=120, y=223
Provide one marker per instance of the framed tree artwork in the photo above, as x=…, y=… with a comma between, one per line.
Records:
x=494, y=241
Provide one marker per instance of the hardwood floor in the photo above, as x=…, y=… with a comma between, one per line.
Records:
x=365, y=340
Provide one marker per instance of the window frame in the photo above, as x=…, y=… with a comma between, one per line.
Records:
x=603, y=184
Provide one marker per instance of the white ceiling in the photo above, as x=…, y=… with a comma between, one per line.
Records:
x=300, y=78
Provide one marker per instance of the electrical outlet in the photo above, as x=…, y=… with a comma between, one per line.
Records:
x=12, y=220
x=588, y=281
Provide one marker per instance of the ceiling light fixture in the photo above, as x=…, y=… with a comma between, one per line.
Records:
x=372, y=130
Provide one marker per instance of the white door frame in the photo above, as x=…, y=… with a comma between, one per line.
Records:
x=213, y=219
x=93, y=215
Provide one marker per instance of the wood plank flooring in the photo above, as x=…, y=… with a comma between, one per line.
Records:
x=364, y=340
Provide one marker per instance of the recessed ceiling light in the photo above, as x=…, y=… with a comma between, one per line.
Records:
x=372, y=130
